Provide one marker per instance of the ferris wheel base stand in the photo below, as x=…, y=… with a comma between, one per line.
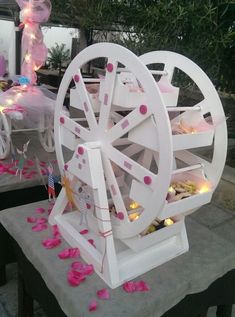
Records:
x=129, y=262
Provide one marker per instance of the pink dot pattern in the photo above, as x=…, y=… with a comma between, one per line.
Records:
x=143, y=109
x=62, y=120
x=80, y=150
x=110, y=67
x=147, y=180
x=76, y=78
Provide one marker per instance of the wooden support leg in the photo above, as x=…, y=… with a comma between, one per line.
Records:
x=224, y=311
x=3, y=279
x=25, y=301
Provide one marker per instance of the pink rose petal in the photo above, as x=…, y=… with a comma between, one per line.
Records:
x=92, y=242
x=75, y=278
x=88, y=269
x=69, y=253
x=103, y=293
x=85, y=231
x=51, y=243
x=32, y=219
x=40, y=210
x=93, y=305
x=77, y=265
x=30, y=162
x=129, y=287
x=39, y=227
x=41, y=220
x=141, y=286
x=55, y=231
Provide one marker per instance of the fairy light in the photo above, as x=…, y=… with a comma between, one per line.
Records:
x=168, y=222
x=134, y=205
x=134, y=216
x=171, y=189
x=27, y=57
x=32, y=36
x=204, y=189
x=9, y=102
x=1, y=108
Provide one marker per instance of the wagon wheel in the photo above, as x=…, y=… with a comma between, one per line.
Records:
x=111, y=130
x=5, y=138
x=46, y=132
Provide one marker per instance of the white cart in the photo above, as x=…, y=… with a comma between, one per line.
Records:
x=23, y=109
x=133, y=141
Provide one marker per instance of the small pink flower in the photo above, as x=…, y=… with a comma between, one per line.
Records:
x=85, y=231
x=103, y=293
x=93, y=305
x=69, y=253
x=51, y=243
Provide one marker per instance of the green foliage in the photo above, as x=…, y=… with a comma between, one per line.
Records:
x=203, y=30
x=58, y=55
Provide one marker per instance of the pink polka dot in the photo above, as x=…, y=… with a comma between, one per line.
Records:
x=65, y=167
x=143, y=109
x=76, y=78
x=110, y=67
x=120, y=215
x=80, y=150
x=147, y=180
x=62, y=120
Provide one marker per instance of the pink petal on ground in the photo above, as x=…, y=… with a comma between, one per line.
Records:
x=75, y=278
x=39, y=227
x=92, y=242
x=129, y=287
x=40, y=210
x=69, y=253
x=141, y=286
x=51, y=243
x=41, y=220
x=93, y=305
x=30, y=162
x=32, y=219
x=85, y=231
x=103, y=293
x=88, y=269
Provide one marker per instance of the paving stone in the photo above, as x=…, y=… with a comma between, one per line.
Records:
x=226, y=230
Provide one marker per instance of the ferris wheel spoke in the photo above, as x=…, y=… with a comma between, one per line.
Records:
x=130, y=121
x=113, y=187
x=108, y=91
x=132, y=167
x=84, y=97
x=76, y=128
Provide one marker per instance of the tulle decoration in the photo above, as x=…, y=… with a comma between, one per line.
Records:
x=139, y=286
x=93, y=305
x=34, y=51
x=51, y=243
x=103, y=294
x=69, y=253
x=75, y=278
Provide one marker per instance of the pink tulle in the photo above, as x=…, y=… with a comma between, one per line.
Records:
x=139, y=286
x=75, y=278
x=51, y=243
x=39, y=227
x=69, y=253
x=85, y=231
x=40, y=210
x=93, y=305
x=103, y=294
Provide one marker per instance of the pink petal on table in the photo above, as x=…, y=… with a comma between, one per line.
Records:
x=51, y=243
x=92, y=242
x=32, y=219
x=41, y=220
x=75, y=278
x=39, y=227
x=93, y=305
x=85, y=231
x=141, y=286
x=88, y=269
x=40, y=210
x=30, y=162
x=77, y=265
x=69, y=253
x=55, y=231
x=103, y=293
x=129, y=287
